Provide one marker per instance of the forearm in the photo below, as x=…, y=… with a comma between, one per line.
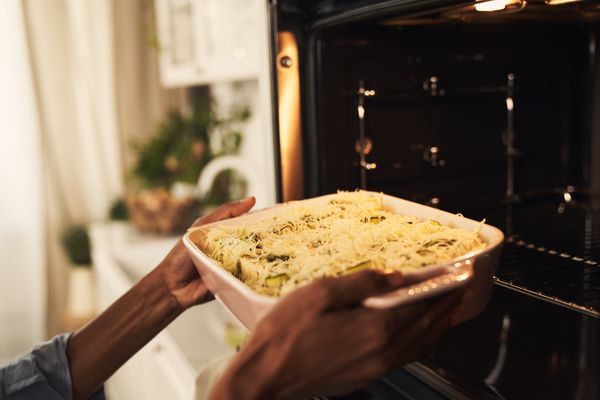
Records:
x=97, y=350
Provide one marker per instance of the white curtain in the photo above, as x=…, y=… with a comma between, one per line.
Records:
x=22, y=249
x=71, y=46
x=97, y=87
x=71, y=49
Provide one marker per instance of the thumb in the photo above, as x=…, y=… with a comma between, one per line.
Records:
x=352, y=289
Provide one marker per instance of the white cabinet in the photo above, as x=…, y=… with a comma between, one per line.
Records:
x=225, y=44
x=170, y=376
x=157, y=371
x=168, y=366
x=208, y=41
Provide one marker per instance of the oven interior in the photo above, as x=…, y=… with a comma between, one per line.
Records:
x=434, y=109
x=493, y=117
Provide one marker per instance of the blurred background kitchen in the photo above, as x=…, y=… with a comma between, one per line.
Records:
x=121, y=122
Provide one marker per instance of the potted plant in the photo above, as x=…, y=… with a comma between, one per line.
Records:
x=161, y=196
x=80, y=297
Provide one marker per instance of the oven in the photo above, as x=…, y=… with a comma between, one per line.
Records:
x=487, y=108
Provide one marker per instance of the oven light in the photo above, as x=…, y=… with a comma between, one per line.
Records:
x=491, y=5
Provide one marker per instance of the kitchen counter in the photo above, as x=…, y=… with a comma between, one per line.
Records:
x=122, y=256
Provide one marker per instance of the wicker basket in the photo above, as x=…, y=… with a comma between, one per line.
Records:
x=157, y=211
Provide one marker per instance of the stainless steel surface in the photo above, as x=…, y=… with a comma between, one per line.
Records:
x=436, y=381
x=289, y=111
x=494, y=375
x=431, y=85
x=431, y=155
x=511, y=152
x=364, y=144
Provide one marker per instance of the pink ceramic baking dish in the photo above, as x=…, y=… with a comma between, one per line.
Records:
x=475, y=269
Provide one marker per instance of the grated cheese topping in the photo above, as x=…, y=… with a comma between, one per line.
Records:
x=351, y=233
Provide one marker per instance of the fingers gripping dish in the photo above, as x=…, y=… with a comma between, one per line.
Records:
x=352, y=232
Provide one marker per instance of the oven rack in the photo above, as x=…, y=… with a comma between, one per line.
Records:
x=552, y=248
x=381, y=96
x=551, y=275
x=552, y=252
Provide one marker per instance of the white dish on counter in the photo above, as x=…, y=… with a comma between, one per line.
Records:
x=474, y=270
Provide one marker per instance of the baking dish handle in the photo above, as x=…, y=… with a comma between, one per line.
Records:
x=456, y=276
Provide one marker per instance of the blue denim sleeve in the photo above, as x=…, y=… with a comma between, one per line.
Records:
x=41, y=374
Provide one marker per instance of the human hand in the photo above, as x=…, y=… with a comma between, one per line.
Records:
x=177, y=270
x=320, y=340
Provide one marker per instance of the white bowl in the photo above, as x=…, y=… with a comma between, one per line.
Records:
x=475, y=269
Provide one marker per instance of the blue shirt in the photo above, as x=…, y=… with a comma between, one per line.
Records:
x=41, y=374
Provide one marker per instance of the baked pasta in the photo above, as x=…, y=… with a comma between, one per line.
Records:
x=351, y=233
